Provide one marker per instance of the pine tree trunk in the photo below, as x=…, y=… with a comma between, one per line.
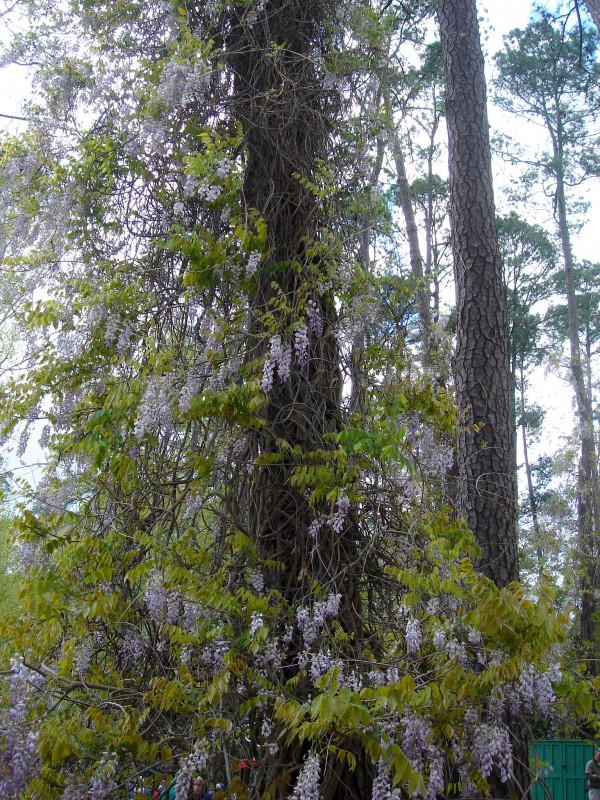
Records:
x=485, y=470
x=422, y=293
x=532, y=500
x=486, y=496
x=588, y=484
x=593, y=7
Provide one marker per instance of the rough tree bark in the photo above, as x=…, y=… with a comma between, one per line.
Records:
x=287, y=115
x=593, y=7
x=485, y=493
x=482, y=376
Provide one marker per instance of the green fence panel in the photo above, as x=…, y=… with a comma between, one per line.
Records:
x=560, y=766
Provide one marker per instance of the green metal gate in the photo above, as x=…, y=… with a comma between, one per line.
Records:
x=561, y=769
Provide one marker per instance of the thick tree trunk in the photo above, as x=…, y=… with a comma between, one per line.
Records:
x=286, y=115
x=486, y=496
x=485, y=474
x=593, y=7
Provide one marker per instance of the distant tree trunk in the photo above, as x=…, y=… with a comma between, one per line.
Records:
x=537, y=532
x=588, y=484
x=593, y=7
x=512, y=384
x=422, y=293
x=486, y=496
x=429, y=221
x=358, y=381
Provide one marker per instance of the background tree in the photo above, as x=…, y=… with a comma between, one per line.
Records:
x=587, y=299
x=528, y=258
x=547, y=74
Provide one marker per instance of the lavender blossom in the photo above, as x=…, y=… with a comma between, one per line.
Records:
x=252, y=263
x=545, y=696
x=223, y=169
x=181, y=84
x=209, y=192
x=132, y=648
x=416, y=732
x=104, y=780
x=336, y=520
x=301, y=345
x=155, y=408
x=280, y=359
x=491, y=746
x=82, y=657
x=322, y=662
x=272, y=655
x=256, y=623
x=214, y=653
x=435, y=786
x=307, y=626
x=191, y=615
x=257, y=579
x=75, y=790
x=439, y=637
x=382, y=789
x=315, y=320
x=527, y=687
x=413, y=635
x=156, y=599
x=307, y=785
x=195, y=762
x=20, y=759
x=188, y=391
x=173, y=609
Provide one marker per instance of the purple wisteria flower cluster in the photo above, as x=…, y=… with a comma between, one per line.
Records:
x=256, y=623
x=301, y=345
x=19, y=759
x=336, y=520
x=382, y=788
x=132, y=647
x=310, y=621
x=155, y=409
x=279, y=359
x=307, y=785
x=252, y=263
x=104, y=781
x=214, y=653
x=413, y=635
x=416, y=732
x=315, y=319
x=536, y=691
x=194, y=762
x=491, y=746
x=183, y=84
x=164, y=606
